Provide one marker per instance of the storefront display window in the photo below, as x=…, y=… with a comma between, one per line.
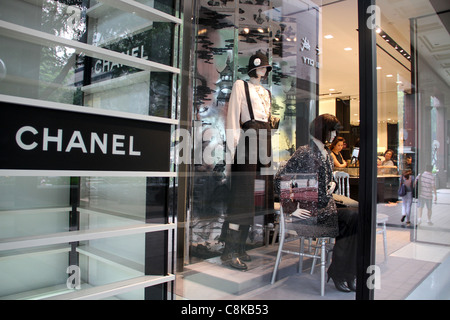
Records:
x=313, y=54
x=234, y=226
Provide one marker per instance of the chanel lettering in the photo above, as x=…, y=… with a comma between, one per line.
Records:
x=27, y=138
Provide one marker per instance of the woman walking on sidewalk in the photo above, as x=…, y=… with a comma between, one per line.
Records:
x=408, y=181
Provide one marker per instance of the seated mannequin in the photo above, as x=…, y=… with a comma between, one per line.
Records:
x=326, y=220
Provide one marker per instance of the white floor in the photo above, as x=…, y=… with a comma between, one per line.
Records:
x=417, y=267
x=435, y=286
x=423, y=251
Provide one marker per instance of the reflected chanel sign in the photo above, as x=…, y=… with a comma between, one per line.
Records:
x=35, y=138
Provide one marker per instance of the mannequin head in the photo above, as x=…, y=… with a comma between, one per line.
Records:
x=258, y=66
x=261, y=72
x=322, y=127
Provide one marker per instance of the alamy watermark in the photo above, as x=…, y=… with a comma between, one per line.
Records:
x=374, y=280
x=213, y=146
x=374, y=21
x=74, y=279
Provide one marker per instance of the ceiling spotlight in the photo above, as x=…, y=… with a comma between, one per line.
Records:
x=348, y=49
x=328, y=36
x=393, y=43
x=389, y=76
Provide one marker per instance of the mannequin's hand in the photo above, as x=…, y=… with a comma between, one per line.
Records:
x=330, y=188
x=301, y=213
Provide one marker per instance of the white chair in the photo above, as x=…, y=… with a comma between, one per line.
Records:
x=343, y=183
x=321, y=245
x=381, y=220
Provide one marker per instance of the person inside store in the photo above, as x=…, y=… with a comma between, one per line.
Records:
x=336, y=148
x=408, y=180
x=388, y=159
x=328, y=220
x=248, y=111
x=387, y=165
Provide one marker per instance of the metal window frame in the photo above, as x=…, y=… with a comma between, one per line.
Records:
x=368, y=136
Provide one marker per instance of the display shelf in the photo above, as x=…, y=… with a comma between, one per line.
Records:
x=112, y=289
x=35, y=211
x=104, y=7
x=111, y=259
x=52, y=249
x=81, y=235
x=114, y=83
x=39, y=294
x=15, y=31
x=116, y=215
x=83, y=109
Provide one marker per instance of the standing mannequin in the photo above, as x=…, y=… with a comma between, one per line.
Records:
x=249, y=146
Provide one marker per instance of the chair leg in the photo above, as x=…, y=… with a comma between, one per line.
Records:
x=300, y=257
x=275, y=234
x=277, y=262
x=385, y=241
x=316, y=252
x=279, y=253
x=322, y=267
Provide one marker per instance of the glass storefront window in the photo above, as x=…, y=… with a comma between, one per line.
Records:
x=314, y=56
x=413, y=94
x=314, y=72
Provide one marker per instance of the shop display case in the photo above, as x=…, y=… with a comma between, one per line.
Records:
x=98, y=232
x=388, y=180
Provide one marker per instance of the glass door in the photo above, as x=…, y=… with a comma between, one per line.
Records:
x=412, y=146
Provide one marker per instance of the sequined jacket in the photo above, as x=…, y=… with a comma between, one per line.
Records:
x=309, y=159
